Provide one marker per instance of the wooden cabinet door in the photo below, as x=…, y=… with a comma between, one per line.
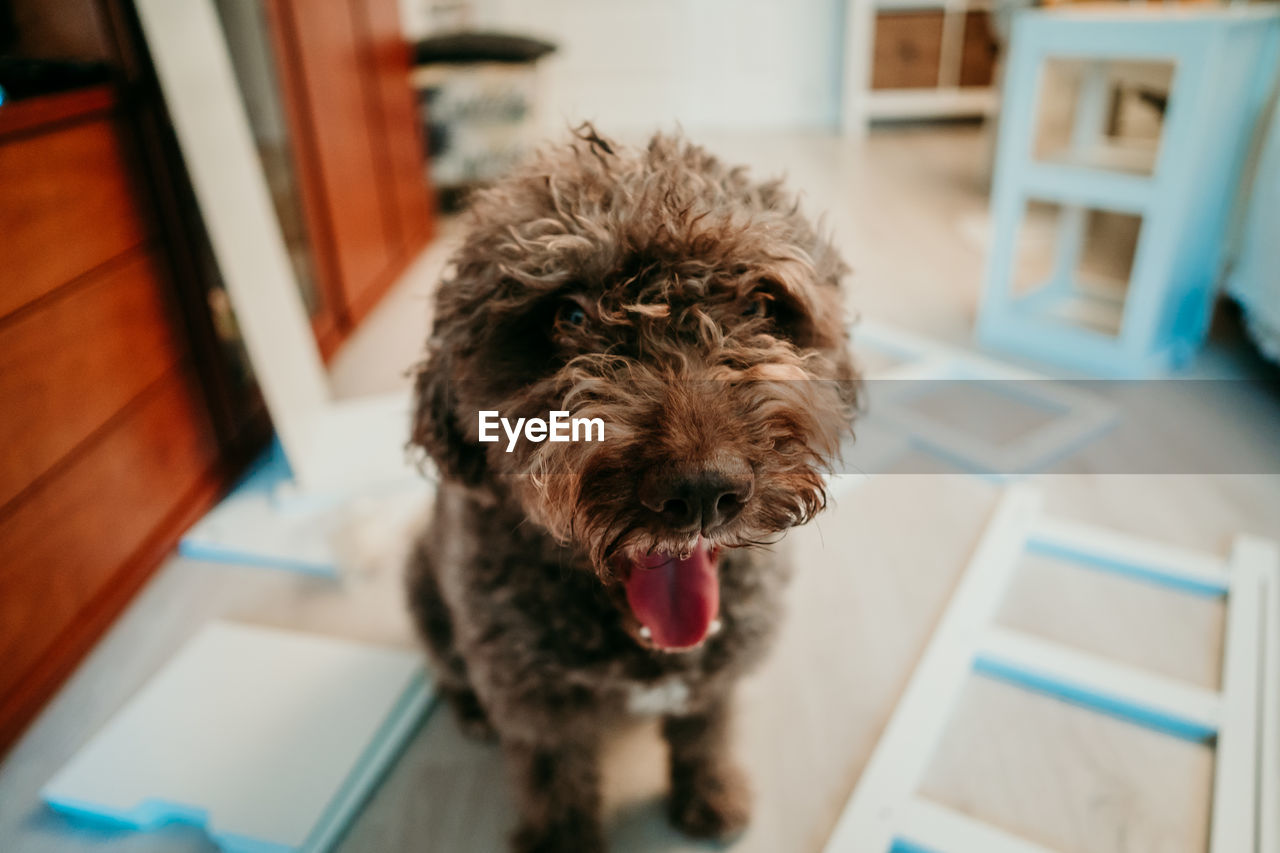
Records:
x=107, y=448
x=403, y=148
x=343, y=67
x=908, y=50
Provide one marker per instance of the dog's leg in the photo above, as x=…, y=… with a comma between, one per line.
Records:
x=710, y=797
x=558, y=787
x=436, y=626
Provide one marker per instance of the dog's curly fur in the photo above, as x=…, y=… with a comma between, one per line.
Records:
x=698, y=314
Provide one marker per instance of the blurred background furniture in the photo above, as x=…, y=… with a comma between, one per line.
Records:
x=913, y=59
x=482, y=101
x=1253, y=280
x=1171, y=192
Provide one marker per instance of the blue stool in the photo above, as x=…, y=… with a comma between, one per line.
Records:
x=1223, y=61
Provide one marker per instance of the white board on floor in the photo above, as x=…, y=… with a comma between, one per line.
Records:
x=269, y=739
x=266, y=521
x=887, y=811
x=920, y=367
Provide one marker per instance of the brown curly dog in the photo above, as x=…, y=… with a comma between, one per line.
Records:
x=561, y=585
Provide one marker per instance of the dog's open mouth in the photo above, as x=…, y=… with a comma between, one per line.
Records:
x=675, y=597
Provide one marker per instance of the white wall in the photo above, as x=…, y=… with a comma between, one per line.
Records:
x=636, y=64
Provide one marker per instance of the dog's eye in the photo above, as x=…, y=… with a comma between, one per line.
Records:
x=570, y=315
x=759, y=306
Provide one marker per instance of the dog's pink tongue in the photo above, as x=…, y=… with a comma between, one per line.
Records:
x=677, y=600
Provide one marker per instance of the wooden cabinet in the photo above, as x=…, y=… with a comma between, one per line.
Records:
x=75, y=360
x=93, y=200
x=126, y=401
x=108, y=450
x=908, y=50
x=979, y=50
x=911, y=51
x=342, y=71
x=910, y=61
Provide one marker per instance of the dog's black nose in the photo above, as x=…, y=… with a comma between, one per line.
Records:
x=702, y=499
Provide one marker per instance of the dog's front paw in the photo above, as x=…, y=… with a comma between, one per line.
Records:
x=712, y=803
x=570, y=836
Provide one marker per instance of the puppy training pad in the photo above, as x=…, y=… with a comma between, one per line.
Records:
x=269, y=739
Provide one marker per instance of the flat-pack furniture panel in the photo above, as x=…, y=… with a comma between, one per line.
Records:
x=1240, y=720
x=268, y=739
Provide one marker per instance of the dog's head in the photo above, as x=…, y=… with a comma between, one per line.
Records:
x=695, y=313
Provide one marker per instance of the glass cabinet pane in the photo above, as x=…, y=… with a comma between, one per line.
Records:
x=249, y=42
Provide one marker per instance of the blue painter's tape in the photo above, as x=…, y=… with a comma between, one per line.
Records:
x=1112, y=706
x=210, y=553
x=1149, y=574
x=155, y=814
x=267, y=471
x=229, y=842
x=90, y=813
x=146, y=816
x=903, y=845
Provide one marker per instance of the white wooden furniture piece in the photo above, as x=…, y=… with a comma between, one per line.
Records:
x=862, y=104
x=1223, y=61
x=331, y=445
x=1251, y=275
x=1242, y=718
x=338, y=453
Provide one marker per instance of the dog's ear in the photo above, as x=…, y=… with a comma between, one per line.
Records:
x=436, y=422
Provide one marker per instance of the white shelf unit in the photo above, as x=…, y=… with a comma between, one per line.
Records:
x=862, y=104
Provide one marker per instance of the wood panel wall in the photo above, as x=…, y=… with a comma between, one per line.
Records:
x=107, y=451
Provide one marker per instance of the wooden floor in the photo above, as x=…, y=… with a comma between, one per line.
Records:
x=874, y=574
